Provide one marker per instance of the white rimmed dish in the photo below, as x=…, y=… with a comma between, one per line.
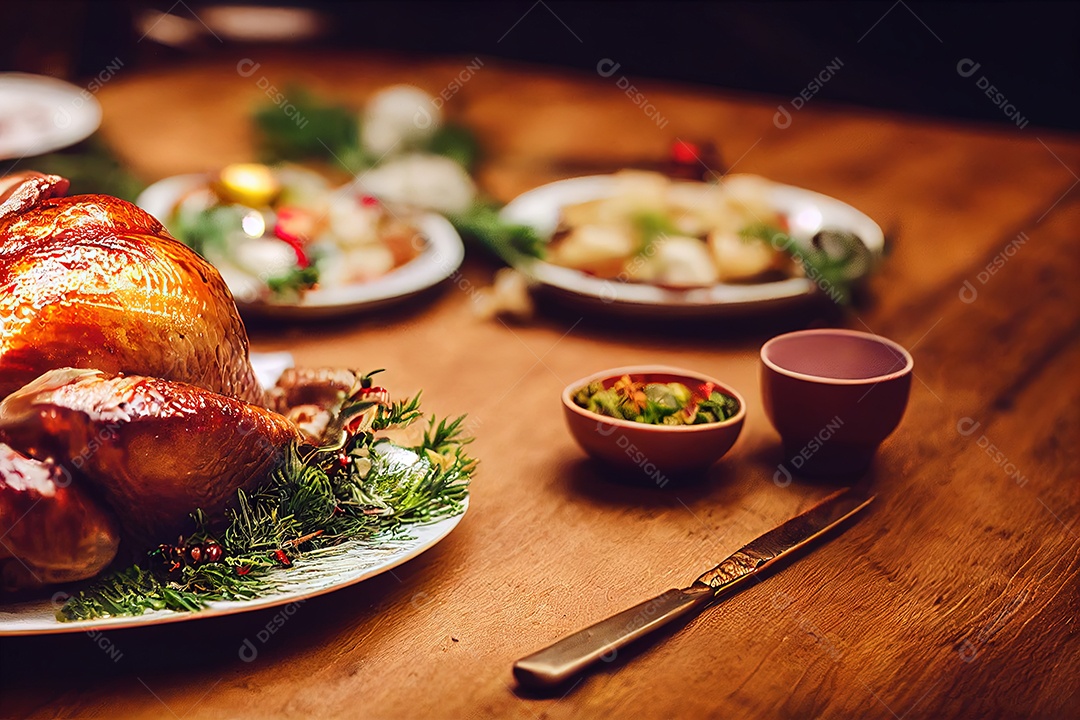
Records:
x=344, y=565
x=439, y=259
x=808, y=212
x=40, y=114
x=348, y=564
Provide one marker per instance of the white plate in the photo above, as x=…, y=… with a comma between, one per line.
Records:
x=439, y=260
x=807, y=212
x=40, y=114
x=309, y=577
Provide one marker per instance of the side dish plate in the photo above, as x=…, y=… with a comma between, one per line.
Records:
x=808, y=212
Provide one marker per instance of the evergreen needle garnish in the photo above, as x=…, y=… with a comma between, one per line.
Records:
x=361, y=488
x=511, y=242
x=835, y=260
x=651, y=227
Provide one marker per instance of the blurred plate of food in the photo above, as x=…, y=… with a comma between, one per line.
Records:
x=40, y=114
x=640, y=243
x=292, y=245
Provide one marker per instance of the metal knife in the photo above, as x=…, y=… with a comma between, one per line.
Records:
x=557, y=663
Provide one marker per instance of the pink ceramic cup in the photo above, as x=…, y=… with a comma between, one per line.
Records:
x=834, y=396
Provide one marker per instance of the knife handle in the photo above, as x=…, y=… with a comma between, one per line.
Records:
x=559, y=662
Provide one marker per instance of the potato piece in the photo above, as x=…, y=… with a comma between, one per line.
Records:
x=636, y=192
x=353, y=224
x=683, y=262
x=583, y=213
x=694, y=208
x=600, y=249
x=739, y=259
x=641, y=185
x=368, y=262
x=507, y=297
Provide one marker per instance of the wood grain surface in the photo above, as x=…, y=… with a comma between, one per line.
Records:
x=955, y=596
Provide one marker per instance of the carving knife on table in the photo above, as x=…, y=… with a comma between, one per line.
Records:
x=557, y=663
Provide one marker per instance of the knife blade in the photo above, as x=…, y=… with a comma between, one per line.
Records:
x=561, y=661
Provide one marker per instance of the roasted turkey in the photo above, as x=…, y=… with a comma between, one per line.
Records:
x=149, y=446
x=53, y=530
x=94, y=282
x=128, y=397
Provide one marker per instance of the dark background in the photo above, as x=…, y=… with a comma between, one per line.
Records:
x=900, y=56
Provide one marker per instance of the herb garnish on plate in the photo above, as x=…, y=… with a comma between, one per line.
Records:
x=354, y=490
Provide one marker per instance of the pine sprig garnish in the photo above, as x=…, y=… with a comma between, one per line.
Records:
x=329, y=132
x=317, y=130
x=365, y=489
x=292, y=283
x=511, y=242
x=400, y=414
x=835, y=260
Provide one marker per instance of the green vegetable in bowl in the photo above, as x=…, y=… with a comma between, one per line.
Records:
x=671, y=403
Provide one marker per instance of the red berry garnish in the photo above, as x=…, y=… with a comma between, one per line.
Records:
x=685, y=153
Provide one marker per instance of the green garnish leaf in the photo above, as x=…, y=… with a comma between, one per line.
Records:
x=309, y=505
x=294, y=282
x=717, y=408
x=457, y=143
x=91, y=167
x=835, y=260
x=762, y=231
x=509, y=241
x=317, y=130
x=207, y=230
x=650, y=227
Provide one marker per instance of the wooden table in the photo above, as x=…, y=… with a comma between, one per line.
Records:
x=956, y=596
